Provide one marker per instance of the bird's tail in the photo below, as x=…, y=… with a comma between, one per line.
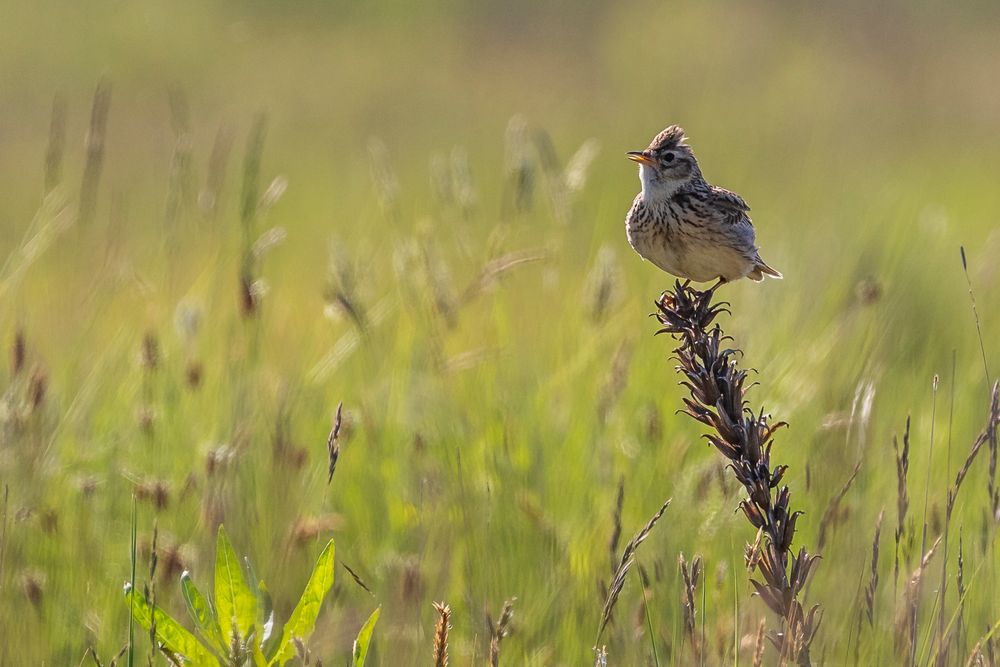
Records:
x=761, y=269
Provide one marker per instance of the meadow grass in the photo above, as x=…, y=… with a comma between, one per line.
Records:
x=221, y=221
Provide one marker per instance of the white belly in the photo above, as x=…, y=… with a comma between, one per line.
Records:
x=693, y=259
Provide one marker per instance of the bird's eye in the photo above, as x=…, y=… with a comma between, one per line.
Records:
x=669, y=157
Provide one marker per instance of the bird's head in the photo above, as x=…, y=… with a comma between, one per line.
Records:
x=667, y=164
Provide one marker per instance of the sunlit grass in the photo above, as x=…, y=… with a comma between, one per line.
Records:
x=495, y=361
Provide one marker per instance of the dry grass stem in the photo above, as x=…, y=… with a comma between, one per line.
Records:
x=495, y=269
x=500, y=630
x=96, y=135
x=357, y=578
x=691, y=573
x=333, y=444
x=624, y=565
x=57, y=142
x=960, y=587
x=616, y=380
x=833, y=509
x=975, y=313
x=988, y=432
x=441, y=634
x=758, y=644
x=222, y=146
x=616, y=530
x=906, y=618
x=872, y=586
x=902, y=499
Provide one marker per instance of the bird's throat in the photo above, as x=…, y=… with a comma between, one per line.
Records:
x=654, y=188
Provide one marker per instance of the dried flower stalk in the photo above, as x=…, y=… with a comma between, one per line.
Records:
x=717, y=389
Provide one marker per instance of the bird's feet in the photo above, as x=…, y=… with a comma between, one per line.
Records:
x=722, y=281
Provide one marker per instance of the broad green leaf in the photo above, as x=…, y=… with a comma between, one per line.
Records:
x=364, y=639
x=169, y=632
x=202, y=614
x=235, y=603
x=303, y=618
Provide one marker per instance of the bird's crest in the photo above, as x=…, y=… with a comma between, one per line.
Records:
x=672, y=137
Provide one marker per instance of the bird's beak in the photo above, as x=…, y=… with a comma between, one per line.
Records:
x=640, y=156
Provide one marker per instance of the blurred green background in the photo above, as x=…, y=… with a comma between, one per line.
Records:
x=449, y=261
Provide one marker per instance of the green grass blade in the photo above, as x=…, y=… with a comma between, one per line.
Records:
x=235, y=603
x=364, y=639
x=169, y=632
x=131, y=587
x=303, y=618
x=202, y=613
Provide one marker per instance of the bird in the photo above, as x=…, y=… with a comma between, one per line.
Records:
x=686, y=226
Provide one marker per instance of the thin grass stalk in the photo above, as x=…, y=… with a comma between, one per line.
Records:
x=333, y=443
x=690, y=575
x=704, y=616
x=976, y=657
x=993, y=420
x=984, y=437
x=131, y=619
x=248, y=214
x=624, y=565
x=3, y=533
x=942, y=645
x=960, y=587
x=649, y=620
x=758, y=644
x=975, y=313
x=871, y=589
x=149, y=593
x=855, y=633
x=500, y=631
x=834, y=506
x=902, y=498
x=96, y=135
x=616, y=525
x=519, y=168
x=56, y=146
x=18, y=353
x=927, y=489
x=906, y=618
x=179, y=188
x=717, y=389
x=930, y=459
x=208, y=198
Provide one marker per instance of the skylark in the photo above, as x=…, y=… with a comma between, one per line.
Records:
x=686, y=226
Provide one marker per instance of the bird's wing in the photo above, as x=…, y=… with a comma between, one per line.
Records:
x=726, y=199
